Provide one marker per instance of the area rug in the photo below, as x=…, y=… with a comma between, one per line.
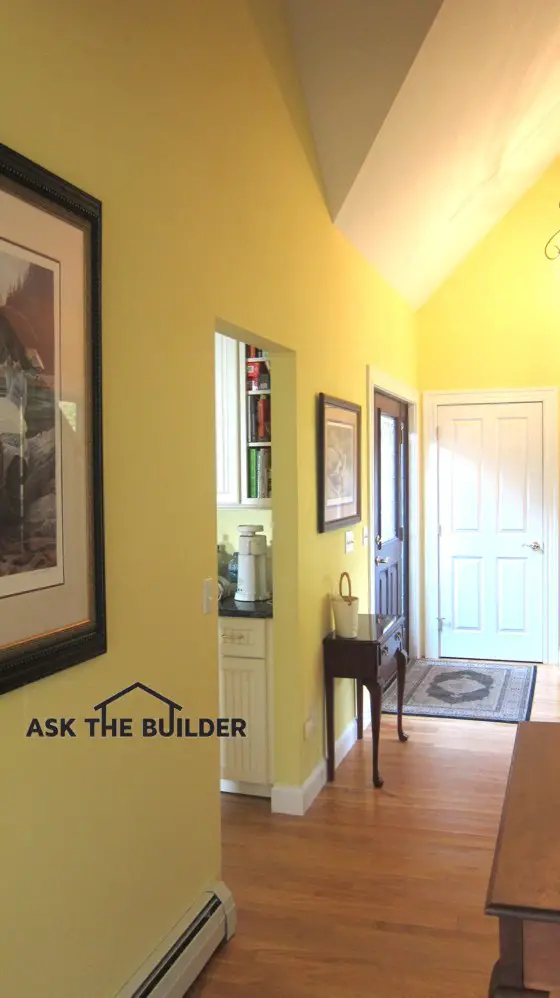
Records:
x=475, y=691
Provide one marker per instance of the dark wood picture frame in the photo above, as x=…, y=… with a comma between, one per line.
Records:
x=324, y=402
x=53, y=648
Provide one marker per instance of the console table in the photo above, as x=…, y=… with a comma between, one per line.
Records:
x=372, y=659
x=524, y=890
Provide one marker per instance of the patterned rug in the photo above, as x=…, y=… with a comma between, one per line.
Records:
x=475, y=691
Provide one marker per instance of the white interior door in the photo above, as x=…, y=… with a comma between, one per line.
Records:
x=490, y=497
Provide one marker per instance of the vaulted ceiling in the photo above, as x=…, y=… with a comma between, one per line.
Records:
x=430, y=118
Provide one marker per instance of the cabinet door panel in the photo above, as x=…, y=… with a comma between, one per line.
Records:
x=227, y=420
x=243, y=695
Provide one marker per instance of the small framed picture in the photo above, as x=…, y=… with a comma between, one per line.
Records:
x=52, y=581
x=338, y=463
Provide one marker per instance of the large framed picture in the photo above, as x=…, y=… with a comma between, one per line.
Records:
x=52, y=588
x=338, y=463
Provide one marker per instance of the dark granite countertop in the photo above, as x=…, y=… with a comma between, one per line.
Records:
x=230, y=607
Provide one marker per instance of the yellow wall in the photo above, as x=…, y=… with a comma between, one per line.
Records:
x=185, y=120
x=495, y=322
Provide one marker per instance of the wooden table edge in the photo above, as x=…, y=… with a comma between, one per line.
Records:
x=523, y=914
x=501, y=827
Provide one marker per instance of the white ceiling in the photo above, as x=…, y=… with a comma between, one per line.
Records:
x=428, y=130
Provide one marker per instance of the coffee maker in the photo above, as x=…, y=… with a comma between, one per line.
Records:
x=251, y=568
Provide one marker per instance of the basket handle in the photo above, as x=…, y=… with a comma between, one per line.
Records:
x=347, y=599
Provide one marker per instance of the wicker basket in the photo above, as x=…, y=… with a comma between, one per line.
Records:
x=345, y=610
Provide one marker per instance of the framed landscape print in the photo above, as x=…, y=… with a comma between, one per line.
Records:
x=338, y=463
x=52, y=591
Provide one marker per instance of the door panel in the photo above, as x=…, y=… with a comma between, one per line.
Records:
x=466, y=586
x=490, y=513
x=390, y=546
x=243, y=694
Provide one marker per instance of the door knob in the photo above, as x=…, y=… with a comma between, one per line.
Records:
x=535, y=546
x=382, y=561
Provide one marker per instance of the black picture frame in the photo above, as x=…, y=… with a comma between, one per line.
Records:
x=326, y=522
x=44, y=653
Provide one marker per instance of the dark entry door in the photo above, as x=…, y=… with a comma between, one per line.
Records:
x=390, y=545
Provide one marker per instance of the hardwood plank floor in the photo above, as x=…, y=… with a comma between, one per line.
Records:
x=374, y=892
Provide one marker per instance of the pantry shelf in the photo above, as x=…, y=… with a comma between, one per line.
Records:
x=256, y=446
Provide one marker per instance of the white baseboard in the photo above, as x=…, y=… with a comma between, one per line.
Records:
x=247, y=789
x=178, y=960
x=297, y=800
x=344, y=743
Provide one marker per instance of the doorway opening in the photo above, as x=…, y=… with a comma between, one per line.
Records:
x=255, y=431
x=491, y=542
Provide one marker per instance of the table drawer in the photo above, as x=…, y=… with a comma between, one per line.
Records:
x=389, y=650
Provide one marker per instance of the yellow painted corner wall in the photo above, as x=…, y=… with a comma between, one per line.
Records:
x=495, y=322
x=184, y=119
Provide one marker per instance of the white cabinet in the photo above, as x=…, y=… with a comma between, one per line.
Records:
x=246, y=692
x=227, y=420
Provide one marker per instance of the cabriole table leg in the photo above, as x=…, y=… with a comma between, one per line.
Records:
x=402, y=659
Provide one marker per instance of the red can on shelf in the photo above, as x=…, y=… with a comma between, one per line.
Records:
x=252, y=376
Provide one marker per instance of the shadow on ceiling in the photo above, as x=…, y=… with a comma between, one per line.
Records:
x=273, y=30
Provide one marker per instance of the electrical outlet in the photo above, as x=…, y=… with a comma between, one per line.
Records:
x=365, y=536
x=349, y=541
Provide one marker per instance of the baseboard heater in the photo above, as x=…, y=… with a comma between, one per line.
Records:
x=182, y=955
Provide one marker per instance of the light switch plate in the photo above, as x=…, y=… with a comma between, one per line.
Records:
x=349, y=541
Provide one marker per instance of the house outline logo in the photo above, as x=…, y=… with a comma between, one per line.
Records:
x=103, y=704
x=175, y=725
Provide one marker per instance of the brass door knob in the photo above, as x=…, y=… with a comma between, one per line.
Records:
x=382, y=561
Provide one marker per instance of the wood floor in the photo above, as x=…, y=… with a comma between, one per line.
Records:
x=374, y=892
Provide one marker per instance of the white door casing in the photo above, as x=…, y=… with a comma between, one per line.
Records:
x=491, y=488
x=490, y=501
x=227, y=419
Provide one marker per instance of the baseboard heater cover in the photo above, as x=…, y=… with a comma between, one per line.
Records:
x=181, y=957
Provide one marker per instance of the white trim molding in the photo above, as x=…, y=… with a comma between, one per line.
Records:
x=297, y=800
x=405, y=393
x=549, y=399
